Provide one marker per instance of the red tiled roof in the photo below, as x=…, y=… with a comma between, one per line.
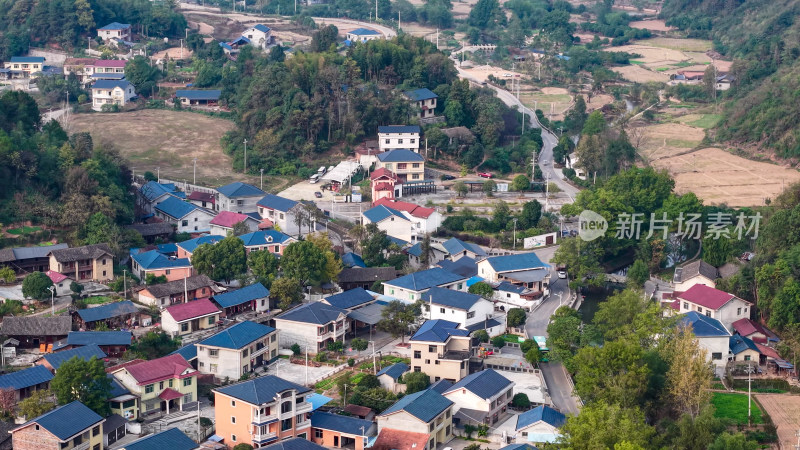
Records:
x=769, y=352
x=228, y=219
x=191, y=310
x=384, y=187
x=201, y=196
x=382, y=172
x=414, y=210
x=170, y=366
x=358, y=410
x=705, y=296
x=169, y=394
x=125, y=364
x=265, y=224
x=79, y=61
x=390, y=439
x=745, y=327
x=110, y=63
x=56, y=277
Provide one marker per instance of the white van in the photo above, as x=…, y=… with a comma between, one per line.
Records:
x=314, y=178
x=321, y=171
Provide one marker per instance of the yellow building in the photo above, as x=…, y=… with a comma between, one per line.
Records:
x=161, y=385
x=70, y=427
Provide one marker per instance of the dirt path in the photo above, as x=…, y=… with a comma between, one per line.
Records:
x=784, y=409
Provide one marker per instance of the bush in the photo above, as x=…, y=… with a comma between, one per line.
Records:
x=481, y=335
x=526, y=345
x=321, y=357
x=516, y=317
x=369, y=381
x=351, y=362
x=520, y=400
x=295, y=348
x=359, y=344
x=498, y=342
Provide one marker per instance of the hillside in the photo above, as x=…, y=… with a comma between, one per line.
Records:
x=763, y=38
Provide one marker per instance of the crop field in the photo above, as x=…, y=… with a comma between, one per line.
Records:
x=638, y=74
x=652, y=25
x=784, y=410
x=734, y=407
x=701, y=120
x=549, y=100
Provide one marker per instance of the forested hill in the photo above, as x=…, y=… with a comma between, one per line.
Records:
x=763, y=38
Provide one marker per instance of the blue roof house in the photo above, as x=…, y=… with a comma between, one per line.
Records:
x=115, y=30
x=156, y=263
x=26, y=381
x=119, y=314
x=238, y=350
x=362, y=35
x=456, y=249
x=187, y=217
x=525, y=269
x=712, y=336
x=460, y=307
x=389, y=377
x=186, y=248
x=189, y=97
x=425, y=100
x=390, y=220
x=24, y=65
x=280, y=211
x=114, y=343
x=270, y=240
x=73, y=423
x=352, y=299
x=539, y=425
x=441, y=349
x=312, y=326
x=409, y=288
x=112, y=93
x=153, y=193
x=344, y=427
x=53, y=361
x=254, y=297
x=427, y=412
x=238, y=197
x=481, y=397
x=259, y=35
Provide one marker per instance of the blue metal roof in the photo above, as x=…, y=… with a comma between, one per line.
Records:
x=415, y=250
x=264, y=237
x=420, y=94
x=86, y=353
x=199, y=94
x=108, y=76
x=520, y=261
x=425, y=279
x=99, y=338
x=508, y=287
x=739, y=344
x=115, y=26
x=25, y=378
x=704, y=326
x=424, y=405
x=400, y=155
x=441, y=386
x=294, y=444
x=349, y=299
x=243, y=295
x=485, y=384
x=108, y=311
x=277, y=202
x=189, y=352
x=342, y=424
x=172, y=439
x=111, y=84
x=238, y=336
x=66, y=421
x=394, y=371
x=192, y=244
x=177, y=208
x=117, y=389
x=317, y=401
x=364, y=32
x=455, y=245
x=315, y=312
x=27, y=59
x=451, y=298
x=225, y=45
x=399, y=129
x=482, y=325
x=167, y=248
x=152, y=190
x=381, y=212
x=397, y=241
x=438, y=331
x=540, y=413
x=519, y=447
x=239, y=189
x=351, y=259
x=156, y=260
x=262, y=28
x=261, y=390
x=464, y=266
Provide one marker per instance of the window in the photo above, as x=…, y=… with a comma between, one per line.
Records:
x=185, y=223
x=470, y=314
x=148, y=389
x=437, y=363
x=716, y=356
x=201, y=364
x=212, y=352
x=399, y=141
x=431, y=426
x=441, y=310
x=413, y=141
x=187, y=381
x=699, y=309
x=129, y=404
x=274, y=353
x=273, y=337
x=170, y=383
x=708, y=313
x=317, y=433
x=184, y=327
x=417, y=354
x=104, y=273
x=245, y=353
x=685, y=305
x=233, y=403
x=286, y=424
x=432, y=348
x=447, y=431
x=747, y=357
x=738, y=311
x=212, y=320
x=417, y=369
x=160, y=385
x=427, y=361
x=286, y=407
x=233, y=419
x=415, y=165
x=37, y=427
x=96, y=447
x=388, y=141
x=233, y=437
x=447, y=414
x=213, y=368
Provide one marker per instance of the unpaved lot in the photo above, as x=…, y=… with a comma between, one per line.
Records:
x=173, y=53
x=668, y=139
x=652, y=25
x=784, y=410
x=680, y=44
x=651, y=55
x=638, y=74
x=598, y=101
x=552, y=101
x=482, y=73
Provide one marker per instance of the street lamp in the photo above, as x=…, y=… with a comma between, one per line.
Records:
x=52, y=290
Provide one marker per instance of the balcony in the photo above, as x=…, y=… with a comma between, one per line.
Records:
x=455, y=355
x=303, y=407
x=303, y=424
x=263, y=419
x=264, y=438
x=82, y=446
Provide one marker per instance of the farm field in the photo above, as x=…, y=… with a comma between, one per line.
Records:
x=550, y=100
x=784, y=410
x=638, y=74
x=734, y=407
x=680, y=44
x=652, y=25
x=701, y=120
x=668, y=139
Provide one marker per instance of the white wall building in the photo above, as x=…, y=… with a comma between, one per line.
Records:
x=391, y=137
x=111, y=92
x=409, y=288
x=312, y=326
x=237, y=350
x=720, y=305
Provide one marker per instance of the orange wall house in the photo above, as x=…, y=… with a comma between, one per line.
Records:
x=335, y=431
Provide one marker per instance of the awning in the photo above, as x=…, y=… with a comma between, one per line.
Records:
x=169, y=394
x=215, y=438
x=475, y=279
x=123, y=398
x=317, y=401
x=370, y=314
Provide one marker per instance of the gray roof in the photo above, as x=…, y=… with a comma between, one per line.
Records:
x=424, y=405
x=152, y=229
x=342, y=424
x=394, y=371
x=113, y=422
x=177, y=287
x=80, y=253
x=36, y=326
x=695, y=268
x=315, y=312
x=295, y=444
x=371, y=314
x=261, y=390
x=450, y=298
x=365, y=274
x=485, y=384
x=36, y=252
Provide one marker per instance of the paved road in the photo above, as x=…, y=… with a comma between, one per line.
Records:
x=559, y=388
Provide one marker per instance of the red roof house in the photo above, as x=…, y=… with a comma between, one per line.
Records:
x=720, y=305
x=225, y=220
x=415, y=210
x=56, y=277
x=202, y=199
x=163, y=384
x=391, y=439
x=115, y=63
x=753, y=330
x=184, y=318
x=161, y=369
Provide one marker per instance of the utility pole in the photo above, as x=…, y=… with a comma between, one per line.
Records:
x=374, y=364
x=262, y=178
x=52, y=290
x=345, y=395
x=546, y=190
x=749, y=391
x=245, y=155
x=515, y=234
x=306, y=364
x=194, y=172
x=124, y=285
x=158, y=174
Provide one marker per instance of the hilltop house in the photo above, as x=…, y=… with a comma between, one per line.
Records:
x=269, y=240
x=281, y=212
x=25, y=260
x=259, y=36
x=262, y=411
x=362, y=35
x=237, y=350
x=185, y=318
x=405, y=164
x=25, y=65
x=338, y=431
x=524, y=269
x=390, y=220
x=539, y=425
x=198, y=97
x=164, y=384
x=254, y=297
x=156, y=264
x=423, y=220
x=36, y=331
x=186, y=217
x=86, y=263
x=441, y=349
x=238, y=197
x=72, y=426
x=469, y=311
x=112, y=92
x=424, y=100
x=720, y=305
x=178, y=291
x=312, y=326
x=481, y=398
x=409, y=288
x=695, y=272
x=223, y=223
x=399, y=136
x=115, y=30
x=425, y=412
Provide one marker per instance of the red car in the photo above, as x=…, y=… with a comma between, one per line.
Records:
x=485, y=174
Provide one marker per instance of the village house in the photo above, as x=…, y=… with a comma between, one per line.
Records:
x=457, y=249
x=720, y=305
x=178, y=291
x=363, y=312
x=68, y=427
x=186, y=248
x=466, y=266
x=114, y=429
x=390, y=220
x=152, y=193
x=238, y=197
x=26, y=381
x=524, y=269
x=424, y=220
x=109, y=69
x=254, y=297
x=426, y=412
x=186, y=318
x=83, y=68
x=85, y=263
x=350, y=300
x=112, y=92
x=185, y=216
x=202, y=199
x=163, y=385
x=115, y=30
x=712, y=336
x=26, y=260
x=237, y=350
x=25, y=65
x=695, y=272
x=338, y=431
x=113, y=343
x=362, y=35
x=269, y=240
x=362, y=412
x=409, y=288
x=754, y=331
x=389, y=377
x=516, y=296
x=405, y=164
x=743, y=349
x=442, y=350
x=171, y=438
x=120, y=400
x=312, y=326
x=155, y=263
x=223, y=223
x=481, y=398
x=114, y=315
x=469, y=311
x=424, y=100
x=281, y=212
x=385, y=185
x=539, y=425
x=365, y=277
x=399, y=136
x=61, y=282
x=198, y=97
x=724, y=82
x=352, y=260
x=152, y=232
x=53, y=361
x=36, y=331
x=389, y=439
x=262, y=411
x=259, y=36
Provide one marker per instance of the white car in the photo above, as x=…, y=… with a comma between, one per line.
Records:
x=562, y=274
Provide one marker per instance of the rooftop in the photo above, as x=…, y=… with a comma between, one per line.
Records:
x=238, y=336
x=80, y=253
x=116, y=26
x=342, y=424
x=399, y=129
x=177, y=208
x=243, y=295
x=364, y=32
x=451, y=298
x=172, y=439
x=390, y=439
x=152, y=229
x=202, y=196
x=175, y=287
x=739, y=344
x=189, y=352
x=25, y=378
x=367, y=274
x=693, y=269
x=277, y=203
x=485, y=384
x=541, y=413
x=152, y=190
x=56, y=277
x=520, y=261
x=381, y=213
x=36, y=326
x=400, y=155
x=394, y=371
x=170, y=366
x=707, y=297
x=424, y=405
x=110, y=63
x=239, y=189
x=264, y=237
x=199, y=94
x=191, y=310
x=228, y=219
x=704, y=326
x=316, y=312
x=441, y=386
x=349, y=299
x=262, y=28
x=66, y=421
x=455, y=246
x=351, y=259
x=154, y=260
x=464, y=266
x=438, y=331
x=294, y=444
x=111, y=84
x=87, y=352
x=746, y=327
x=78, y=338
x=425, y=279
x=108, y=311
x=27, y=59
x=382, y=172
x=411, y=208
x=261, y=390
x=420, y=94
x=20, y=253
x=192, y=244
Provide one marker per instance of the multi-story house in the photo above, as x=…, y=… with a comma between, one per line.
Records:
x=254, y=297
x=187, y=217
x=186, y=248
x=427, y=412
x=25, y=260
x=115, y=30
x=186, y=318
x=173, y=292
x=281, y=212
x=695, y=272
x=270, y=240
x=312, y=326
x=424, y=220
x=390, y=220
x=113, y=343
x=262, y=411
x=172, y=439
x=405, y=164
x=26, y=381
x=86, y=263
x=152, y=193
x=516, y=296
x=424, y=100
x=109, y=69
x=712, y=336
x=237, y=350
x=25, y=65
x=83, y=68
x=202, y=199
x=481, y=398
x=157, y=264
x=259, y=35
x=524, y=269
x=399, y=136
x=469, y=311
x=409, y=288
x=457, y=249
x=720, y=305
x=223, y=223
x=164, y=384
x=539, y=425
x=442, y=350
x=70, y=427
x=385, y=185
x=112, y=92
x=238, y=197
x=338, y=431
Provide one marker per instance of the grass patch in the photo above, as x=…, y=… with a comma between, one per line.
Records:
x=719, y=386
x=513, y=338
x=23, y=230
x=683, y=64
x=638, y=63
x=680, y=143
x=98, y=300
x=706, y=121
x=734, y=407
x=325, y=384
x=45, y=244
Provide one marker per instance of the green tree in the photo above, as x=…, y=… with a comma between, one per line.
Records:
x=224, y=260
x=737, y=441
x=359, y=344
x=498, y=342
x=595, y=124
x=333, y=265
x=416, y=381
x=240, y=228
x=638, y=273
x=488, y=188
x=689, y=375
x=152, y=346
x=583, y=260
x=287, y=291
x=7, y=274
x=530, y=214
x=516, y=317
x=324, y=38
x=481, y=335
x=520, y=400
x=39, y=402
x=533, y=356
x=369, y=381
x=304, y=262
x=374, y=245
x=716, y=251
x=501, y=215
x=460, y=188
x=603, y=426
x=76, y=287
x=521, y=183
x=483, y=289
x=576, y=117
x=564, y=335
x=397, y=317
x=243, y=447
x=151, y=279
x=36, y=286
x=375, y=398
x=426, y=251
x=78, y=379
x=614, y=373
x=264, y=266
x=142, y=75
x=527, y=344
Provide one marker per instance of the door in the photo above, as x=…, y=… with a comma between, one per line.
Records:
x=336, y=441
x=195, y=324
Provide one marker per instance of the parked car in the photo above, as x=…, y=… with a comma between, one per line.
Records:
x=447, y=177
x=318, y=194
x=485, y=174
x=562, y=274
